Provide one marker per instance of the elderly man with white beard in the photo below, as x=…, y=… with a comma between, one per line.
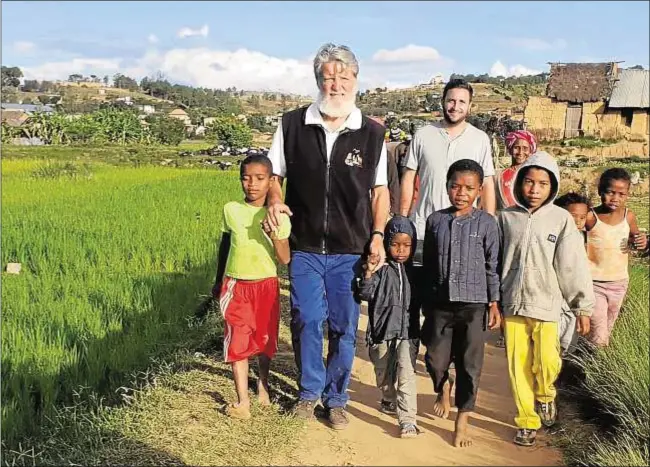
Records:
x=334, y=159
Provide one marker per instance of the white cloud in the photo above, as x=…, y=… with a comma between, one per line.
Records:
x=61, y=70
x=536, y=44
x=189, y=32
x=153, y=39
x=499, y=69
x=245, y=69
x=410, y=53
x=24, y=47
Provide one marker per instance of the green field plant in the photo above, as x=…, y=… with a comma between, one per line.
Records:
x=617, y=378
x=112, y=267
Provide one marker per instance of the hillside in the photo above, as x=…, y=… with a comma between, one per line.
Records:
x=488, y=98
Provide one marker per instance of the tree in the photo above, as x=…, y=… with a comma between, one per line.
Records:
x=31, y=85
x=258, y=122
x=75, y=78
x=10, y=96
x=166, y=130
x=255, y=101
x=284, y=101
x=121, y=81
x=46, y=86
x=11, y=76
x=106, y=80
x=229, y=131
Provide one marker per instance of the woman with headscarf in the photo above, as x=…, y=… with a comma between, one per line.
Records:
x=520, y=145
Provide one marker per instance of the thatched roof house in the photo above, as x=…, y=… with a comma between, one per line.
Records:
x=591, y=100
x=581, y=82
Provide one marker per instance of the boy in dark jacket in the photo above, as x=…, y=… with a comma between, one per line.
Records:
x=460, y=258
x=393, y=329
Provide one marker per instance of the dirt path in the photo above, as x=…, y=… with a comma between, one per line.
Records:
x=372, y=437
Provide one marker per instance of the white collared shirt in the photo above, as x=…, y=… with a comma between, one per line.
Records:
x=313, y=117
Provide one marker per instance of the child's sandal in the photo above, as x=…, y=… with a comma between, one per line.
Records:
x=408, y=430
x=238, y=412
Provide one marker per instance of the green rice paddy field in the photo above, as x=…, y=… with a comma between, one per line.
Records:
x=115, y=261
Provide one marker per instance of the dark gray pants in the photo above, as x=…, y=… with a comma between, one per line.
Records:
x=456, y=332
x=394, y=363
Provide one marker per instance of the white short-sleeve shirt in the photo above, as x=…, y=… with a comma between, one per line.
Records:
x=313, y=117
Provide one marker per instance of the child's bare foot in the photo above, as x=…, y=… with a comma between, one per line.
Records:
x=461, y=438
x=263, y=396
x=442, y=405
x=240, y=411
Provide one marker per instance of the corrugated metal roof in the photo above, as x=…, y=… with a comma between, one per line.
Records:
x=27, y=107
x=631, y=90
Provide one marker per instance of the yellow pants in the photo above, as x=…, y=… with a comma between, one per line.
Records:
x=534, y=362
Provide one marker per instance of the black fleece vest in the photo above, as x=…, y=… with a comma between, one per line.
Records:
x=331, y=203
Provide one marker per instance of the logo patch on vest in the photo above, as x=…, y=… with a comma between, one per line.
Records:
x=354, y=159
x=552, y=238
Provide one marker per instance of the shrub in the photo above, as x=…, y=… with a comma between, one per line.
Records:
x=166, y=130
x=230, y=132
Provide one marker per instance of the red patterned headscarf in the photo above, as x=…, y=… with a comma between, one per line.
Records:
x=513, y=136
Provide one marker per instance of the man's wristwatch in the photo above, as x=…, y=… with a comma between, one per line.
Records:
x=377, y=232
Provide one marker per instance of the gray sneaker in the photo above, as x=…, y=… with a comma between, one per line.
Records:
x=304, y=409
x=525, y=437
x=388, y=407
x=547, y=412
x=338, y=418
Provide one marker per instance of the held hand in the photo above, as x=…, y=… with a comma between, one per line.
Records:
x=494, y=320
x=273, y=214
x=370, y=267
x=377, y=255
x=583, y=325
x=268, y=229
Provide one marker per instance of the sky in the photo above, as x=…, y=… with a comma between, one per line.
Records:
x=271, y=45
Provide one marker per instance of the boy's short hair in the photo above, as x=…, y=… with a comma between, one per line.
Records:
x=256, y=159
x=615, y=173
x=465, y=165
x=570, y=198
x=457, y=83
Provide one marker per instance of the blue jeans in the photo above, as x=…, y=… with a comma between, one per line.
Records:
x=322, y=289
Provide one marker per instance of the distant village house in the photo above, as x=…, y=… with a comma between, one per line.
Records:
x=591, y=99
x=181, y=115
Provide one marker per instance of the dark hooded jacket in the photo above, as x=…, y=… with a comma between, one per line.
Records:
x=388, y=292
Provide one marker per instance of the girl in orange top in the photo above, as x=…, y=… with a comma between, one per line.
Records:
x=520, y=145
x=611, y=231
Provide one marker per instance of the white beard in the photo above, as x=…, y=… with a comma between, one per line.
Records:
x=336, y=108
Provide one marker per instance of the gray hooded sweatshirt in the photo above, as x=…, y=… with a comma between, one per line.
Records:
x=544, y=262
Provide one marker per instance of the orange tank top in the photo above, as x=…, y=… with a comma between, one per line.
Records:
x=608, y=251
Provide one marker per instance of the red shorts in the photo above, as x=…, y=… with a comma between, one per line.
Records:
x=251, y=311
